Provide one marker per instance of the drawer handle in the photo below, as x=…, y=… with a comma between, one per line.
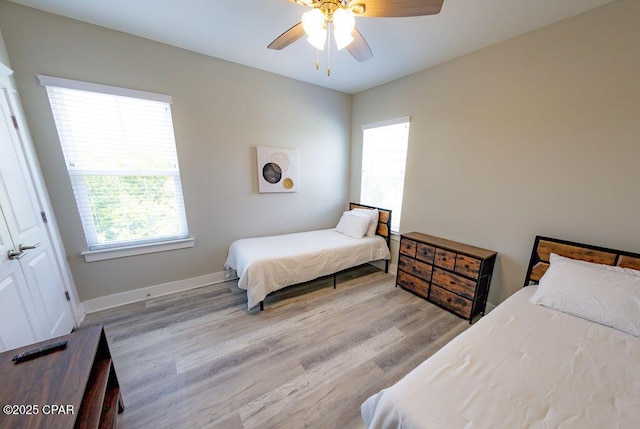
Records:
x=448, y=299
x=466, y=266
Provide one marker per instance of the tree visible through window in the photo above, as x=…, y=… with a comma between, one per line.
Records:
x=384, y=156
x=120, y=152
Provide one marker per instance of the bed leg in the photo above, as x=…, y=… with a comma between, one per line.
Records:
x=261, y=305
x=334, y=280
x=386, y=266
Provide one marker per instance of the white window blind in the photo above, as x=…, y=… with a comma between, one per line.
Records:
x=121, y=157
x=384, y=156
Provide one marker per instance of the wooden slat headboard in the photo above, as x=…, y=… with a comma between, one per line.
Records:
x=384, y=221
x=544, y=246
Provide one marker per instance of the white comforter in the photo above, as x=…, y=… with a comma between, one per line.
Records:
x=521, y=366
x=267, y=264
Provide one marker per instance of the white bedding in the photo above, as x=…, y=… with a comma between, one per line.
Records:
x=521, y=366
x=267, y=264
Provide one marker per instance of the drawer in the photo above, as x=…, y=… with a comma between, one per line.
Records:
x=412, y=283
x=451, y=301
x=408, y=247
x=425, y=253
x=445, y=259
x=416, y=268
x=467, y=266
x=454, y=283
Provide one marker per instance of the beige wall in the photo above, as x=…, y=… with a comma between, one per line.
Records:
x=536, y=135
x=221, y=111
x=4, y=56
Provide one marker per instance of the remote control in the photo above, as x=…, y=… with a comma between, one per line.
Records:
x=40, y=351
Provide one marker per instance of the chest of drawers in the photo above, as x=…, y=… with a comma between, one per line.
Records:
x=453, y=275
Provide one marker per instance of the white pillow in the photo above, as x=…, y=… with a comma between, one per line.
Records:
x=373, y=225
x=353, y=224
x=594, y=292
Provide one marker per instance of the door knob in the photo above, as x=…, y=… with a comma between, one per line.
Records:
x=13, y=255
x=24, y=247
x=17, y=254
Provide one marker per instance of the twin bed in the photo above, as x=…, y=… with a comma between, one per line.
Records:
x=564, y=353
x=266, y=264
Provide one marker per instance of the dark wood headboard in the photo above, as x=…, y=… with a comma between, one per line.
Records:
x=544, y=246
x=384, y=221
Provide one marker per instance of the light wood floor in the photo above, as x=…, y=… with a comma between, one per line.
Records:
x=199, y=359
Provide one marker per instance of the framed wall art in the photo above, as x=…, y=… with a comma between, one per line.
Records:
x=277, y=169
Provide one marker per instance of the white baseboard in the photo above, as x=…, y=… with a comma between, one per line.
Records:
x=393, y=268
x=489, y=308
x=115, y=300
x=109, y=301
x=78, y=313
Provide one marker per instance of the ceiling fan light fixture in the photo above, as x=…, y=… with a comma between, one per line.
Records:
x=318, y=39
x=343, y=19
x=344, y=23
x=323, y=14
x=313, y=23
x=343, y=38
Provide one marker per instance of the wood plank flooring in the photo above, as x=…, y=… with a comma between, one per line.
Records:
x=200, y=359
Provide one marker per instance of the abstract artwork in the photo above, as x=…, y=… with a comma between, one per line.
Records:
x=277, y=169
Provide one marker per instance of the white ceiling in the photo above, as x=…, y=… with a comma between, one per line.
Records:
x=240, y=30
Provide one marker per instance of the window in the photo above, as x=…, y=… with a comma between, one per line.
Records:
x=384, y=156
x=120, y=152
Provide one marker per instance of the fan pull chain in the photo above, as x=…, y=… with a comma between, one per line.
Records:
x=329, y=50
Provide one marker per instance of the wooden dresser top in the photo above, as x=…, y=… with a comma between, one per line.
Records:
x=453, y=246
x=58, y=378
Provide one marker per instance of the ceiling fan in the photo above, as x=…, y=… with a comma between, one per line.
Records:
x=317, y=22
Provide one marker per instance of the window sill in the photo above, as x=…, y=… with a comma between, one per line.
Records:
x=123, y=252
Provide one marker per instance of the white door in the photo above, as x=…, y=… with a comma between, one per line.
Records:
x=18, y=320
x=33, y=286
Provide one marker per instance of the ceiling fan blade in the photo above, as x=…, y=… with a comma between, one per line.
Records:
x=397, y=8
x=359, y=48
x=288, y=37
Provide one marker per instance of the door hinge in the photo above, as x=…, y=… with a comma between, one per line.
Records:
x=44, y=217
x=15, y=122
x=66, y=295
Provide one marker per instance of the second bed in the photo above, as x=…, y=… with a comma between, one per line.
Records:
x=267, y=264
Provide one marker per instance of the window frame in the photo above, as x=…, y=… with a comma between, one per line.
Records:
x=105, y=251
x=381, y=124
